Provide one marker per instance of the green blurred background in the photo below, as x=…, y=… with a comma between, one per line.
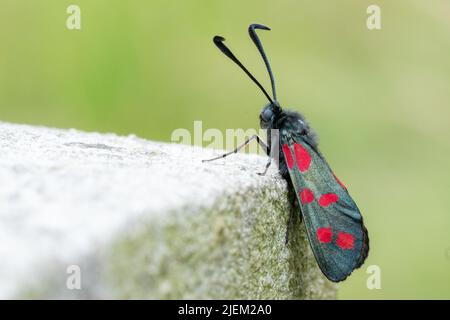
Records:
x=379, y=99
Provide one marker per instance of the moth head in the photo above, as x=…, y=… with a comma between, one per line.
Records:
x=268, y=114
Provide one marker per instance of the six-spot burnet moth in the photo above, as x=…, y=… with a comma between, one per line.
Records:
x=335, y=228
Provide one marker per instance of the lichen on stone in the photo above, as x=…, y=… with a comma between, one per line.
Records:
x=232, y=250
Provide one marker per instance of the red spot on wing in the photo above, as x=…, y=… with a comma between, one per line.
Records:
x=306, y=196
x=340, y=182
x=345, y=240
x=288, y=156
x=327, y=199
x=302, y=157
x=324, y=235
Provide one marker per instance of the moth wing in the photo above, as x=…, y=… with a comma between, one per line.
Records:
x=334, y=224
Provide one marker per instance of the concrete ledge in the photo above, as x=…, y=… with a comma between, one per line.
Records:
x=144, y=220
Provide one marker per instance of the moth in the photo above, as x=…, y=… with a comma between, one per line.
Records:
x=334, y=224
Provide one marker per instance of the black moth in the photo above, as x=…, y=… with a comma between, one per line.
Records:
x=335, y=228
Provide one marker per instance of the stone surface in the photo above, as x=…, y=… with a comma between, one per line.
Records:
x=143, y=219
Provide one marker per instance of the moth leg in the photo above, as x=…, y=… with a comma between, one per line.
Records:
x=269, y=162
x=246, y=142
x=293, y=209
x=296, y=208
x=289, y=226
x=273, y=150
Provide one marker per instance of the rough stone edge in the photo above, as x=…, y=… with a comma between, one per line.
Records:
x=240, y=250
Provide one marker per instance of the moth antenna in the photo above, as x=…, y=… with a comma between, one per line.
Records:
x=252, y=32
x=218, y=41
